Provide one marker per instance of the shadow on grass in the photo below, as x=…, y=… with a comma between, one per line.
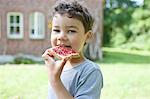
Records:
x=119, y=57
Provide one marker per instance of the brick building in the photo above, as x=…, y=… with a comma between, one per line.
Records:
x=24, y=25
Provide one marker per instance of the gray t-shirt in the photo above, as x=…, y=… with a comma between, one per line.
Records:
x=84, y=81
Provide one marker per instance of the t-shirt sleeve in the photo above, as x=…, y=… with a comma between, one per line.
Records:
x=90, y=85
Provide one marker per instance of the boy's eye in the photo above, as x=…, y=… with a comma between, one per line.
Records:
x=71, y=31
x=56, y=30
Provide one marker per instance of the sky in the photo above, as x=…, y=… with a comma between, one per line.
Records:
x=139, y=1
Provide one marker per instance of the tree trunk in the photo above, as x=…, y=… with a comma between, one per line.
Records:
x=93, y=49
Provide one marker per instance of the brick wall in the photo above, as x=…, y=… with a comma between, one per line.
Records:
x=26, y=45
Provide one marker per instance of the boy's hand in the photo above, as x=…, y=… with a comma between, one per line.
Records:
x=54, y=67
x=54, y=71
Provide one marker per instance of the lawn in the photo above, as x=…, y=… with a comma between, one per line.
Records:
x=126, y=76
x=23, y=81
x=126, y=81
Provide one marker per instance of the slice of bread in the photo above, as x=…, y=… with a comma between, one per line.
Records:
x=61, y=52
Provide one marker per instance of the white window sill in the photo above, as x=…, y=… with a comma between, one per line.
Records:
x=37, y=37
x=14, y=37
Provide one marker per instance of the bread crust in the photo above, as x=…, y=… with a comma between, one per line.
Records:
x=69, y=56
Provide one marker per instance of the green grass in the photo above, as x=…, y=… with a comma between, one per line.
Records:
x=24, y=81
x=126, y=76
x=126, y=81
x=114, y=56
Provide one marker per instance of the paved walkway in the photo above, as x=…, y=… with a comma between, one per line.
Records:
x=10, y=58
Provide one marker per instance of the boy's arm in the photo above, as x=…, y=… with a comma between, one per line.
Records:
x=61, y=91
x=54, y=71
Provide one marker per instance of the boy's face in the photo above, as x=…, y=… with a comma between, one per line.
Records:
x=68, y=32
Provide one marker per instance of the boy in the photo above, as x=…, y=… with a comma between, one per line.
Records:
x=74, y=78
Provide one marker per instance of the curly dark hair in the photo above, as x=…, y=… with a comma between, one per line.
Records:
x=74, y=9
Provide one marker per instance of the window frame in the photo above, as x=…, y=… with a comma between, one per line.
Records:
x=35, y=16
x=16, y=25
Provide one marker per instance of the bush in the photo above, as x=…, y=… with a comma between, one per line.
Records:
x=23, y=60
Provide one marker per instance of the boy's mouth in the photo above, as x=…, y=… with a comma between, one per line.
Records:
x=63, y=45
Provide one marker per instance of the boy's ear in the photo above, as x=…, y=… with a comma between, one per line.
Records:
x=89, y=36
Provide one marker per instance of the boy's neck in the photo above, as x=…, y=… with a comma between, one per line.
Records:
x=75, y=61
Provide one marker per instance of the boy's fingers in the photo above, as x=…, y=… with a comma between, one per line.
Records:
x=62, y=64
x=45, y=56
x=48, y=59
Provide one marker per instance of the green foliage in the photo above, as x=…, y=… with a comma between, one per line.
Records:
x=116, y=25
x=140, y=28
x=119, y=3
x=22, y=60
x=127, y=27
x=147, y=3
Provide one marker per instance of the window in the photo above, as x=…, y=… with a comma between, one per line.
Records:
x=15, y=25
x=37, y=25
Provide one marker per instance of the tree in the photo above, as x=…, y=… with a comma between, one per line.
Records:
x=119, y=3
x=117, y=17
x=93, y=49
x=127, y=26
x=146, y=4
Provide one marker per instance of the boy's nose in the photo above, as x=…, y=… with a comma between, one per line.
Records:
x=62, y=36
